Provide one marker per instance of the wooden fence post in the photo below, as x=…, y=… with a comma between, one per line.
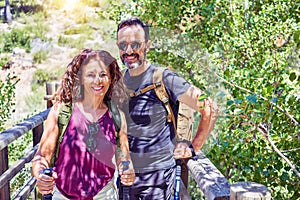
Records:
x=37, y=133
x=249, y=191
x=49, y=92
x=4, y=191
x=51, y=88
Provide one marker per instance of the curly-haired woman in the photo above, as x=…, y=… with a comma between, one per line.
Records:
x=85, y=166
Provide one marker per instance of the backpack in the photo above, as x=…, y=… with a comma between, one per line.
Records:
x=64, y=118
x=183, y=126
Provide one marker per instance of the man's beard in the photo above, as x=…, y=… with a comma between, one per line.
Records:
x=134, y=65
x=138, y=63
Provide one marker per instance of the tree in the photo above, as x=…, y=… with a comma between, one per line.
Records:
x=250, y=48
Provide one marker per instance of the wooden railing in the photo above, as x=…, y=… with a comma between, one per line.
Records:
x=35, y=124
x=209, y=179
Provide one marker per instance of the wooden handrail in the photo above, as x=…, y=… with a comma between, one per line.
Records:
x=10, y=135
x=209, y=179
x=35, y=124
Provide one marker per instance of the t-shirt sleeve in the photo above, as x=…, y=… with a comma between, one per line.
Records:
x=175, y=84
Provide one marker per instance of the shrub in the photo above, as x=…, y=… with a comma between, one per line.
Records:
x=7, y=95
x=16, y=38
x=39, y=56
x=42, y=76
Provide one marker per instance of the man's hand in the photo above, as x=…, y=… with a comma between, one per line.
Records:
x=182, y=150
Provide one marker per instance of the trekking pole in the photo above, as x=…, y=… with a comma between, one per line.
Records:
x=177, y=179
x=125, y=188
x=47, y=171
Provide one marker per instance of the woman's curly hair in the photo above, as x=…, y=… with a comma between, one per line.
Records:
x=71, y=80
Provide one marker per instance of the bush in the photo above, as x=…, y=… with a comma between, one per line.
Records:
x=42, y=76
x=16, y=38
x=3, y=62
x=39, y=56
x=7, y=95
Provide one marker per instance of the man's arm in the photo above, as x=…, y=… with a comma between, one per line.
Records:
x=208, y=110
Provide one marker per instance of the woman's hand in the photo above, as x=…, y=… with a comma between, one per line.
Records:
x=46, y=183
x=127, y=174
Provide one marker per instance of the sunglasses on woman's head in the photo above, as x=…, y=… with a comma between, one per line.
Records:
x=135, y=45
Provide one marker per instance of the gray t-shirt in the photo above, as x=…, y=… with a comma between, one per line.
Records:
x=151, y=137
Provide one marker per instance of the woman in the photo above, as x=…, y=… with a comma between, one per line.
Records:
x=85, y=166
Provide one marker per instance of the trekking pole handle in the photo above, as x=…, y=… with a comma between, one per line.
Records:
x=125, y=165
x=48, y=172
x=177, y=179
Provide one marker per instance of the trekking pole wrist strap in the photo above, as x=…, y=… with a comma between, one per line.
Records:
x=194, y=156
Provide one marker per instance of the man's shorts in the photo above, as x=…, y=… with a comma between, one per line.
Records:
x=156, y=185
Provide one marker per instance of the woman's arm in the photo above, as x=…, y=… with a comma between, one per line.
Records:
x=45, y=151
x=123, y=155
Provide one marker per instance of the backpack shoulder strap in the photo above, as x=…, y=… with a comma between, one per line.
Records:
x=116, y=119
x=63, y=121
x=162, y=94
x=160, y=90
x=115, y=114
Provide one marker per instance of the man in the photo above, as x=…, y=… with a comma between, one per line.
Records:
x=151, y=137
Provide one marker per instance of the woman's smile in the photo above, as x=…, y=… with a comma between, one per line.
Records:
x=98, y=88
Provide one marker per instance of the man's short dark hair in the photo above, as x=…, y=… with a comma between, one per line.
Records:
x=134, y=21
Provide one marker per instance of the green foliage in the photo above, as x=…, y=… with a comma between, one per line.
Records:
x=17, y=150
x=250, y=54
x=42, y=76
x=35, y=101
x=72, y=42
x=194, y=190
x=91, y=3
x=39, y=56
x=7, y=94
x=16, y=38
x=35, y=25
x=83, y=29
x=3, y=61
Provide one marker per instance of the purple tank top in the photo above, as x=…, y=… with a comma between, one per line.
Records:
x=85, y=162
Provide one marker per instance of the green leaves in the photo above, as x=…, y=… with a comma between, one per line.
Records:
x=202, y=97
x=16, y=38
x=256, y=50
x=292, y=76
x=252, y=98
x=7, y=94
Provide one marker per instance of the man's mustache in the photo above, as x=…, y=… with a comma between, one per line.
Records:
x=133, y=54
